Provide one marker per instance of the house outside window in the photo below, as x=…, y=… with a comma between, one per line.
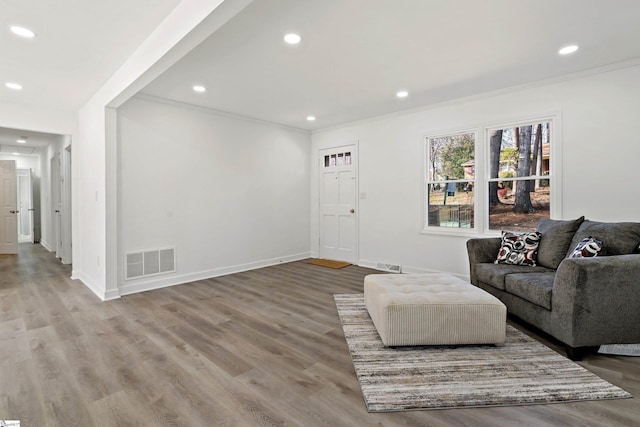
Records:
x=499, y=179
x=450, y=180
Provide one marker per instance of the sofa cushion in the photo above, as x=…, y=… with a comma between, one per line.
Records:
x=518, y=248
x=495, y=274
x=618, y=238
x=555, y=240
x=533, y=287
x=588, y=247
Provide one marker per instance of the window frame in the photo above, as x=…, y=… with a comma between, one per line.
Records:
x=431, y=229
x=481, y=176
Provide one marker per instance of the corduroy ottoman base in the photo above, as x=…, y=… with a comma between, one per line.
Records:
x=433, y=309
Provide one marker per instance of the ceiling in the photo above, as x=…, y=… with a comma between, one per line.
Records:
x=355, y=54
x=79, y=45
x=35, y=141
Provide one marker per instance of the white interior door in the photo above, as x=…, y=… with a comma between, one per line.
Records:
x=8, y=201
x=56, y=205
x=338, y=189
x=25, y=206
x=66, y=206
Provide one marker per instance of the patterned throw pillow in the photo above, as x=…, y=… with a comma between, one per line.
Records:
x=519, y=248
x=588, y=247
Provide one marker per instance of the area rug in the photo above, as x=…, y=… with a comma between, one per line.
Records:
x=520, y=372
x=328, y=263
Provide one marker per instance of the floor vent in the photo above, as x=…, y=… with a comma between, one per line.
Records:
x=149, y=263
x=392, y=268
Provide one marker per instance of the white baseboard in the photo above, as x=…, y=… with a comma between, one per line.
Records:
x=410, y=270
x=46, y=245
x=78, y=275
x=142, y=285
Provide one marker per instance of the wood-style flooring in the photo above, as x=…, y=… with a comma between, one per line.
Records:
x=259, y=348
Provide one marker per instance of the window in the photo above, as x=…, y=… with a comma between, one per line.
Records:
x=518, y=180
x=340, y=159
x=451, y=180
x=499, y=181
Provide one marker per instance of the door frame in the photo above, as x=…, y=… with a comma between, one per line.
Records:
x=23, y=207
x=65, y=202
x=11, y=246
x=56, y=203
x=319, y=159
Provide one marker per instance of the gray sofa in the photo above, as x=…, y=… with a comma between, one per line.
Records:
x=582, y=302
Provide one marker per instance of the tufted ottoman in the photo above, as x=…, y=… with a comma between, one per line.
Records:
x=433, y=309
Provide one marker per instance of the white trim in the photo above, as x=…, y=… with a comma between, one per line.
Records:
x=481, y=217
x=410, y=270
x=426, y=161
x=148, y=285
x=46, y=245
x=356, y=162
x=212, y=111
x=555, y=161
x=490, y=94
x=97, y=290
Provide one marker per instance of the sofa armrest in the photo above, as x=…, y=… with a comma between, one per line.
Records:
x=481, y=250
x=598, y=299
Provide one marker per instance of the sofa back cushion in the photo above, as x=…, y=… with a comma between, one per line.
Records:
x=556, y=240
x=618, y=238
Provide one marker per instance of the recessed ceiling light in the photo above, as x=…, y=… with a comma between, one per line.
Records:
x=402, y=94
x=22, y=32
x=311, y=118
x=14, y=86
x=198, y=88
x=292, y=38
x=568, y=49
x=16, y=154
x=21, y=141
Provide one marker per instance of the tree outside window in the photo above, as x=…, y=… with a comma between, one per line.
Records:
x=450, y=180
x=519, y=182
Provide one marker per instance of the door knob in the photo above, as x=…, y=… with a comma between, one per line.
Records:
x=13, y=211
x=57, y=211
x=352, y=211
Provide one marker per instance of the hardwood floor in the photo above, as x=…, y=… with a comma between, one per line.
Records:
x=261, y=348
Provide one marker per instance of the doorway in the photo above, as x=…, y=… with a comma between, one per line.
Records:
x=9, y=210
x=56, y=205
x=338, y=199
x=26, y=223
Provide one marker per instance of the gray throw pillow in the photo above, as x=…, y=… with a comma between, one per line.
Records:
x=556, y=240
x=619, y=238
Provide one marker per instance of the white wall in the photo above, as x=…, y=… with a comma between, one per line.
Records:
x=228, y=193
x=94, y=167
x=56, y=146
x=600, y=152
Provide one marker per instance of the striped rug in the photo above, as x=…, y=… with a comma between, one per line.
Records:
x=520, y=372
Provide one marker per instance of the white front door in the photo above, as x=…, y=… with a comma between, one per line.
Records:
x=338, y=189
x=8, y=201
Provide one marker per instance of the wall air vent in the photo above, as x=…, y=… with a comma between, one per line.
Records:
x=149, y=263
x=392, y=268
